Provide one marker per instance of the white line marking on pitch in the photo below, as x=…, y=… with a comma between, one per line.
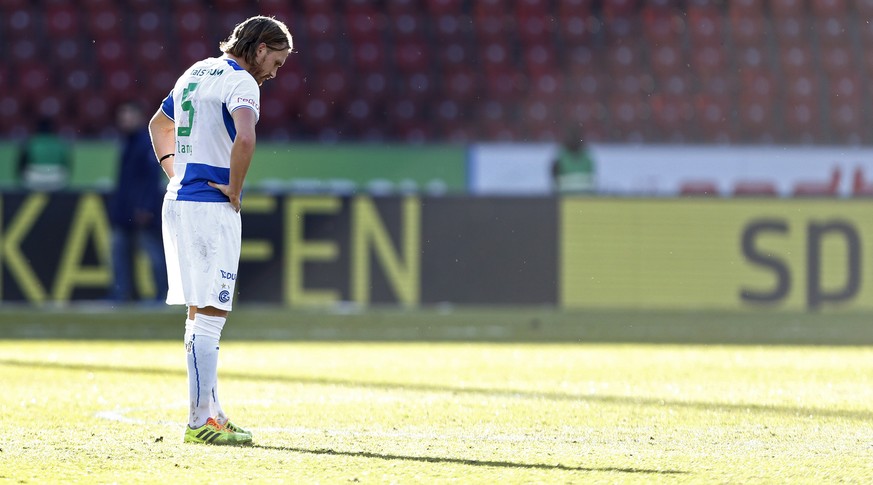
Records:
x=121, y=416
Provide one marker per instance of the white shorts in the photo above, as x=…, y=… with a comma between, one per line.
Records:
x=202, y=245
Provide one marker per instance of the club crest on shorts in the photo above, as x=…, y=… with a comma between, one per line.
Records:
x=224, y=296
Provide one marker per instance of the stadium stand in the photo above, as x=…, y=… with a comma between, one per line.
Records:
x=687, y=71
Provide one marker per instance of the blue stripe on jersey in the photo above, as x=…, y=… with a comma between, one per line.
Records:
x=167, y=106
x=195, y=187
x=234, y=65
x=228, y=122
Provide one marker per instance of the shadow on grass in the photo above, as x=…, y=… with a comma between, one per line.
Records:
x=798, y=411
x=461, y=461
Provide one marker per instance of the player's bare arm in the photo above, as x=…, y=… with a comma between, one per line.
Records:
x=163, y=132
x=240, y=155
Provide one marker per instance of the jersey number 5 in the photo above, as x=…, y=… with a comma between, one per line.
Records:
x=187, y=107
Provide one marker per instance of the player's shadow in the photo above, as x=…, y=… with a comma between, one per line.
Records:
x=779, y=409
x=467, y=462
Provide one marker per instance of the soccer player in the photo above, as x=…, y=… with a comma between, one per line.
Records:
x=204, y=136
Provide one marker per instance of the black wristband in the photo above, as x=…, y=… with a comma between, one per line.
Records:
x=166, y=157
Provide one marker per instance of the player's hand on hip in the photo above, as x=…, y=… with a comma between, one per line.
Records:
x=234, y=198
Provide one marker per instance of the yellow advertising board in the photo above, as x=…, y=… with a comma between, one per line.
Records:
x=784, y=254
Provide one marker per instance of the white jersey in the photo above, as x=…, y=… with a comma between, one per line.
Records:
x=201, y=104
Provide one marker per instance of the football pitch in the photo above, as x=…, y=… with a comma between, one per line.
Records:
x=443, y=396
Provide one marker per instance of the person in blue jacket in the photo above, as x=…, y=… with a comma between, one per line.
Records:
x=135, y=208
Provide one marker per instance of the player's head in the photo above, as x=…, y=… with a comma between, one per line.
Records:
x=262, y=43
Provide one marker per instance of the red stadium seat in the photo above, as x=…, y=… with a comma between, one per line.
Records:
x=823, y=8
x=320, y=26
x=698, y=188
x=448, y=28
x=158, y=84
x=105, y=24
x=332, y=82
x=679, y=84
x=360, y=113
x=706, y=26
x=61, y=20
x=847, y=122
x=412, y=55
x=33, y=80
x=93, y=111
x=672, y=117
x=151, y=23
x=753, y=57
x=194, y=51
x=494, y=55
x=803, y=86
x=454, y=54
x=19, y=21
x=541, y=119
x=317, y=113
x=449, y=112
x=864, y=8
x=488, y=8
x=67, y=53
x=539, y=58
x=791, y=31
x=279, y=9
x=708, y=61
x=833, y=31
x=227, y=20
x=787, y=8
x=758, y=83
x=577, y=28
x=492, y=28
x=190, y=21
x=25, y=50
x=622, y=30
x=754, y=188
x=663, y=26
x=418, y=85
x=444, y=7
x=846, y=86
x=591, y=84
x=120, y=83
x=837, y=59
x=503, y=84
x=535, y=27
x=581, y=60
x=460, y=84
x=667, y=60
x=860, y=186
x=151, y=54
x=588, y=112
x=546, y=85
x=747, y=30
x=365, y=25
x=802, y=118
x=313, y=6
x=629, y=118
x=622, y=59
x=373, y=86
x=714, y=118
x=756, y=119
x=797, y=59
x=368, y=55
x=824, y=188
x=620, y=8
x=407, y=25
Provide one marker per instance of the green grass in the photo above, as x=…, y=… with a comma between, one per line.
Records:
x=366, y=400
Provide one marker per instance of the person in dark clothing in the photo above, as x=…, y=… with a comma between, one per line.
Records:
x=45, y=160
x=135, y=207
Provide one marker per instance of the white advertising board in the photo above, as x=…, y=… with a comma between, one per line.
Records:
x=663, y=170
